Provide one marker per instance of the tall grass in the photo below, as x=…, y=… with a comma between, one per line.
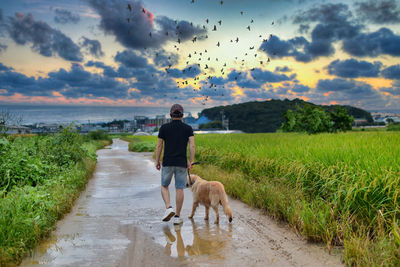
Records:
x=41, y=176
x=341, y=189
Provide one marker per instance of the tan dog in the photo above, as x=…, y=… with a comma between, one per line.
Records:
x=209, y=194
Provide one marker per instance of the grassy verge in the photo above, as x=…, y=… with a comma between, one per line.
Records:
x=140, y=143
x=44, y=177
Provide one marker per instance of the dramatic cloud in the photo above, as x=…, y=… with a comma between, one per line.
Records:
x=93, y=46
x=44, y=39
x=300, y=88
x=163, y=58
x=188, y=72
x=344, y=85
x=379, y=12
x=391, y=90
x=348, y=92
x=383, y=41
x=392, y=72
x=352, y=68
x=64, y=16
x=80, y=83
x=136, y=27
x=268, y=76
x=4, y=67
x=282, y=69
x=131, y=59
x=298, y=48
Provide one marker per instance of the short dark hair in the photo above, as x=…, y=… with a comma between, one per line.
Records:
x=176, y=111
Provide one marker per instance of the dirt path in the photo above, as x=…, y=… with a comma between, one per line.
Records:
x=116, y=222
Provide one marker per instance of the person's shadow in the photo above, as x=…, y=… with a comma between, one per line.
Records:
x=206, y=240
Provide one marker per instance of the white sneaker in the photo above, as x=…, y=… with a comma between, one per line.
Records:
x=177, y=220
x=168, y=214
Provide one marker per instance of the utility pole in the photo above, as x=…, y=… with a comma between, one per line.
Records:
x=224, y=120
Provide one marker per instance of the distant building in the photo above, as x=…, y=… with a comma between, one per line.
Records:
x=114, y=128
x=140, y=121
x=360, y=121
x=47, y=128
x=129, y=126
x=149, y=127
x=14, y=129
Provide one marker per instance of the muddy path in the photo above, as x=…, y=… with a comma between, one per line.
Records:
x=116, y=222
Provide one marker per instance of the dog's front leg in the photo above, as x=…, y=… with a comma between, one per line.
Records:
x=195, y=204
x=207, y=212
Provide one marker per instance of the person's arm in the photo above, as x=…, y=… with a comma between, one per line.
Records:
x=191, y=150
x=158, y=153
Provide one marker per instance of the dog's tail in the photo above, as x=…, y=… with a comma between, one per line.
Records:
x=225, y=205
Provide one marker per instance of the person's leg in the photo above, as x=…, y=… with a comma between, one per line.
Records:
x=180, y=184
x=166, y=176
x=165, y=196
x=179, y=201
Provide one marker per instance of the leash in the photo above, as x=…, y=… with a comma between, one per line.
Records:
x=190, y=180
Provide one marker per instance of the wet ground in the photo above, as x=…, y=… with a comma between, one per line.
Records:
x=117, y=222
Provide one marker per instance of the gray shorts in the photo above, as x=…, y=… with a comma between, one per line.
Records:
x=180, y=176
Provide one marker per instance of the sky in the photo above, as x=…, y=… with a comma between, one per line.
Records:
x=201, y=53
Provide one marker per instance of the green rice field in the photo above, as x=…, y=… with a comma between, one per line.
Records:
x=339, y=189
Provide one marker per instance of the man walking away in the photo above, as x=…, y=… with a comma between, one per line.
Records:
x=176, y=136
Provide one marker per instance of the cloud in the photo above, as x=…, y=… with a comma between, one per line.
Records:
x=392, y=72
x=344, y=85
x=383, y=41
x=131, y=59
x=4, y=67
x=2, y=48
x=259, y=93
x=391, y=90
x=282, y=69
x=348, y=92
x=379, y=12
x=137, y=29
x=334, y=23
x=93, y=46
x=352, y=68
x=44, y=39
x=276, y=48
x=300, y=88
x=188, y=72
x=64, y=16
x=163, y=58
x=268, y=76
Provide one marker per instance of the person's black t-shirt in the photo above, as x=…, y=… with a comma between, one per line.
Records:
x=176, y=136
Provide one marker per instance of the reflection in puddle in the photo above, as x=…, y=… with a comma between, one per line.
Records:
x=207, y=240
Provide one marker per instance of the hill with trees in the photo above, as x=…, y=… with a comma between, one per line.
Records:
x=268, y=116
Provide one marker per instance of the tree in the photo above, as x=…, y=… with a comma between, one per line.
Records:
x=315, y=120
x=290, y=121
x=342, y=121
x=310, y=119
x=7, y=119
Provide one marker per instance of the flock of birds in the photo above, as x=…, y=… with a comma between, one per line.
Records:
x=195, y=57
